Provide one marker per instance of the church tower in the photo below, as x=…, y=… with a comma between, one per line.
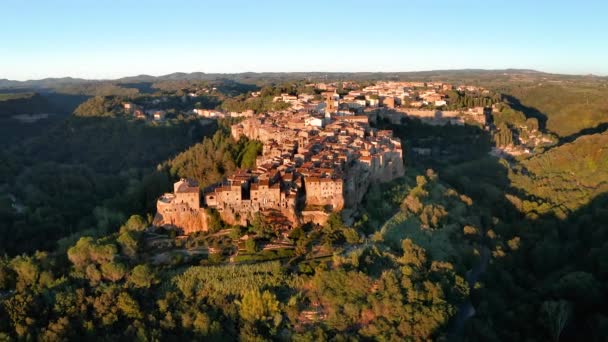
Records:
x=330, y=106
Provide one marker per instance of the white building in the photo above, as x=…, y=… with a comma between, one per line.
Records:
x=312, y=121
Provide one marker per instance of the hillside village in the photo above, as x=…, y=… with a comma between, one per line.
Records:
x=311, y=165
x=430, y=101
x=382, y=186
x=320, y=155
x=319, y=171
x=434, y=103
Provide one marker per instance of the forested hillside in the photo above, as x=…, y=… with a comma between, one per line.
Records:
x=390, y=287
x=24, y=103
x=85, y=174
x=564, y=178
x=567, y=107
x=546, y=277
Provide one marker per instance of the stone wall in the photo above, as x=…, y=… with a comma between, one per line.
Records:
x=181, y=216
x=432, y=117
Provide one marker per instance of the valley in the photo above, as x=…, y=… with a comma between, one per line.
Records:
x=462, y=206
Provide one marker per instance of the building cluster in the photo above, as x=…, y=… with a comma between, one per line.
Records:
x=414, y=94
x=139, y=112
x=182, y=208
x=309, y=163
x=318, y=157
x=218, y=114
x=437, y=117
x=405, y=97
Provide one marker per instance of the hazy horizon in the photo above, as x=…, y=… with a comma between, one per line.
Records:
x=298, y=71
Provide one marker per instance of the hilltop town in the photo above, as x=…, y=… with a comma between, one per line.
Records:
x=434, y=102
x=300, y=188
x=311, y=165
x=321, y=152
x=319, y=171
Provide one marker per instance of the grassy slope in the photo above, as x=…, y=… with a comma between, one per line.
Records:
x=570, y=175
x=569, y=107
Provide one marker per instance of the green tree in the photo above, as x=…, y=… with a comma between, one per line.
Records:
x=256, y=306
x=129, y=243
x=134, y=223
x=113, y=271
x=93, y=274
x=7, y=275
x=260, y=226
x=128, y=306
x=27, y=271
x=142, y=276
x=251, y=246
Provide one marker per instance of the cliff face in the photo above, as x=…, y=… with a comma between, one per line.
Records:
x=279, y=217
x=356, y=182
x=315, y=216
x=232, y=217
x=189, y=220
x=390, y=168
x=359, y=177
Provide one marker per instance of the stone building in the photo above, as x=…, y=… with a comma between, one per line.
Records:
x=304, y=173
x=325, y=192
x=182, y=209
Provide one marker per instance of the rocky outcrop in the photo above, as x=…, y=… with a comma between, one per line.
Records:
x=357, y=180
x=315, y=216
x=277, y=217
x=188, y=220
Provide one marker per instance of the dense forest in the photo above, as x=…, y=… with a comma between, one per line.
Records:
x=85, y=174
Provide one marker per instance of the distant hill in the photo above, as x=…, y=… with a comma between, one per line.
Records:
x=278, y=76
x=35, y=103
x=46, y=82
x=24, y=103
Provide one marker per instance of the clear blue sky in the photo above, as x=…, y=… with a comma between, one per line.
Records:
x=112, y=38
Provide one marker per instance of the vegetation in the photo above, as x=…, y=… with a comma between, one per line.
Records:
x=25, y=103
x=567, y=107
x=209, y=161
x=564, y=178
x=523, y=239
x=100, y=106
x=393, y=291
x=546, y=243
x=464, y=100
x=85, y=174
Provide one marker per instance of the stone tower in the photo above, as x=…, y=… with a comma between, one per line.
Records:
x=330, y=106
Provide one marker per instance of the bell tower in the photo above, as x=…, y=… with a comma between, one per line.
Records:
x=330, y=106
